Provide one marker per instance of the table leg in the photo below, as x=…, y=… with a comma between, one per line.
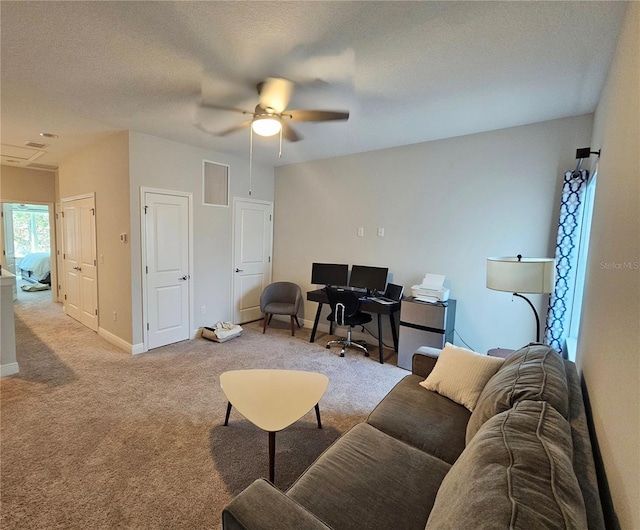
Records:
x=272, y=455
x=394, y=332
x=226, y=418
x=318, y=416
x=380, y=337
x=315, y=323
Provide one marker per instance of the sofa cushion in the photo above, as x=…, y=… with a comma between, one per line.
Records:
x=516, y=473
x=367, y=479
x=461, y=374
x=536, y=372
x=423, y=419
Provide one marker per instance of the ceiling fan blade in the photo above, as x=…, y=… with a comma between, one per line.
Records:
x=220, y=107
x=226, y=131
x=317, y=115
x=289, y=133
x=275, y=93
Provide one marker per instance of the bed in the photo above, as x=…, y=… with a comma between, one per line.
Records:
x=36, y=267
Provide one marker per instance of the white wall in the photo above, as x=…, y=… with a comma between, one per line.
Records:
x=609, y=342
x=163, y=164
x=445, y=206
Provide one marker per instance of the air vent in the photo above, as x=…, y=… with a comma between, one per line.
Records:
x=35, y=145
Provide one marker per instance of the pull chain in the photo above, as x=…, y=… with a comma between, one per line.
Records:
x=250, y=159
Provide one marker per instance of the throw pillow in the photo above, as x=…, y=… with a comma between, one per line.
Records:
x=535, y=372
x=461, y=374
x=516, y=473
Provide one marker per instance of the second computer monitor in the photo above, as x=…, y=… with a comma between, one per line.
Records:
x=369, y=278
x=329, y=274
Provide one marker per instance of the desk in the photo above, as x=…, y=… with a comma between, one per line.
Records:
x=368, y=306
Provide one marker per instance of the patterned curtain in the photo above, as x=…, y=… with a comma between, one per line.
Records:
x=567, y=247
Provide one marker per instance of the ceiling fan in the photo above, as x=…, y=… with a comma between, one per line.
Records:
x=271, y=115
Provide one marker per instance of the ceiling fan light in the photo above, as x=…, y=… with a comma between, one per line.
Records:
x=266, y=125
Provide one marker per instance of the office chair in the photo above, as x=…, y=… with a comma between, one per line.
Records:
x=280, y=298
x=345, y=311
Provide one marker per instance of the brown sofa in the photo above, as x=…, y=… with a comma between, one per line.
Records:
x=521, y=460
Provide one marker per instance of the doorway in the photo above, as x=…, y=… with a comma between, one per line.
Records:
x=252, y=248
x=80, y=266
x=167, y=266
x=27, y=243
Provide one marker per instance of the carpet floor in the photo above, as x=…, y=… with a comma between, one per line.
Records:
x=92, y=437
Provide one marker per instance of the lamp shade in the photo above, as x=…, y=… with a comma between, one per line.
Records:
x=521, y=275
x=266, y=125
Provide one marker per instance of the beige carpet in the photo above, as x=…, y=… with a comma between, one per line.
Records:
x=92, y=437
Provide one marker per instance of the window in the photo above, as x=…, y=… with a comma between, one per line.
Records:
x=215, y=184
x=583, y=248
x=30, y=230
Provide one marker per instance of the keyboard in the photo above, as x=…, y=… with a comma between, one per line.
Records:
x=382, y=300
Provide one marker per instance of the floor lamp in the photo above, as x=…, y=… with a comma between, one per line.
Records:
x=522, y=275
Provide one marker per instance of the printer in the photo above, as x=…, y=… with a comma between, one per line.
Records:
x=431, y=289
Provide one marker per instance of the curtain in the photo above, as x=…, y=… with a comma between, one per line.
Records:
x=567, y=252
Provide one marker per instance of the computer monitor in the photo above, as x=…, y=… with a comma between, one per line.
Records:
x=329, y=274
x=369, y=278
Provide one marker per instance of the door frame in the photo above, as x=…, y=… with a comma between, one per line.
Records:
x=63, y=201
x=232, y=300
x=54, y=244
x=143, y=264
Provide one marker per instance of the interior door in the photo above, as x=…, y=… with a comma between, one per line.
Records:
x=79, y=261
x=253, y=229
x=8, y=248
x=167, y=239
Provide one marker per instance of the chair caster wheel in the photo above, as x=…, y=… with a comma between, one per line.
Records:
x=341, y=354
x=328, y=347
x=366, y=355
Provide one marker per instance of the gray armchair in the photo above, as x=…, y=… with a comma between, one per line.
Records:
x=280, y=298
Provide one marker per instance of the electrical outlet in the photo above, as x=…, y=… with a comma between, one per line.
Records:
x=361, y=232
x=380, y=232
x=203, y=309
x=115, y=315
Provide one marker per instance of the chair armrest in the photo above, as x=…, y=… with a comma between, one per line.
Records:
x=423, y=360
x=263, y=506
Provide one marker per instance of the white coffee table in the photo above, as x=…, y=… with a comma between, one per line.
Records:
x=273, y=399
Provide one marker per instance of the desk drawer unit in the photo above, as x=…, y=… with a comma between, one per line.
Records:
x=424, y=324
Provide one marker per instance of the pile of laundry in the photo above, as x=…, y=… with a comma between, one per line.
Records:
x=221, y=331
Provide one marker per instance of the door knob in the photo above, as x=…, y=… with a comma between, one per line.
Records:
x=239, y=270
x=183, y=278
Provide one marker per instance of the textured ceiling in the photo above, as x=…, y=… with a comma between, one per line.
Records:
x=407, y=71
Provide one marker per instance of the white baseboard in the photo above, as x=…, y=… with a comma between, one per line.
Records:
x=9, y=369
x=120, y=343
x=138, y=348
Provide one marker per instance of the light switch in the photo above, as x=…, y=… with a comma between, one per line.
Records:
x=361, y=232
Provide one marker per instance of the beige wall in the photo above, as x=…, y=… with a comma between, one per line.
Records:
x=32, y=186
x=103, y=168
x=609, y=342
x=163, y=164
x=445, y=207
x=19, y=184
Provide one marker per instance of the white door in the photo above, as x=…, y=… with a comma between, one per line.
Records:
x=79, y=261
x=166, y=229
x=8, y=248
x=253, y=229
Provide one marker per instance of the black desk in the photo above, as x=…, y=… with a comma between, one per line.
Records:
x=368, y=306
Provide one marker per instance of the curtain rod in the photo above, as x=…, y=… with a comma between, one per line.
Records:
x=581, y=154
